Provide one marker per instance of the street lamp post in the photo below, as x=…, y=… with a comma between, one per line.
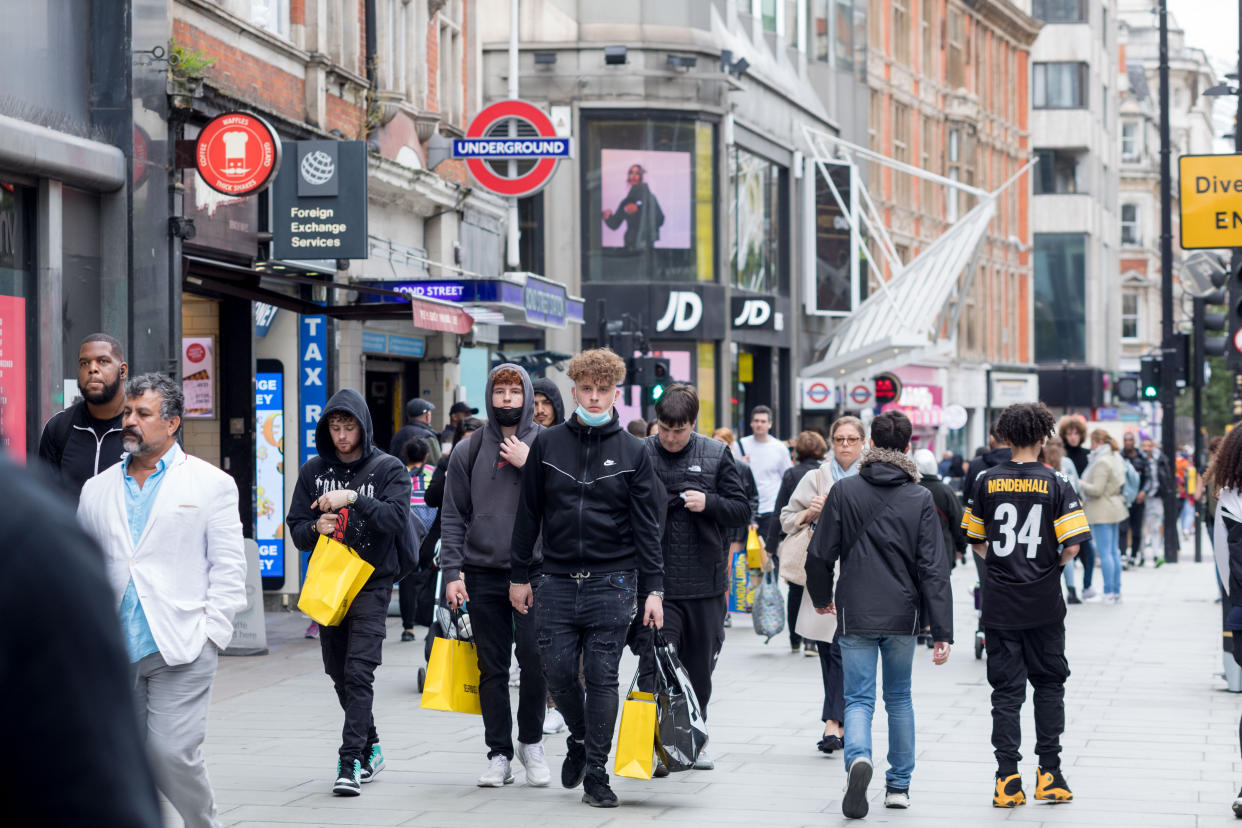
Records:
x=1168, y=389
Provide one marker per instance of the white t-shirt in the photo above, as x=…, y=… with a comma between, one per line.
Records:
x=768, y=461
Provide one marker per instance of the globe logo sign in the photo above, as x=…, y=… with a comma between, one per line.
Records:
x=317, y=168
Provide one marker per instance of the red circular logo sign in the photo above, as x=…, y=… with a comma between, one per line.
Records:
x=887, y=389
x=237, y=154
x=195, y=353
x=817, y=392
x=539, y=174
x=860, y=394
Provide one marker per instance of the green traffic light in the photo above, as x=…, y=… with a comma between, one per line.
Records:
x=1150, y=392
x=657, y=391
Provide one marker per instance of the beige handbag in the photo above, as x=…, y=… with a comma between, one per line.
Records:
x=793, y=549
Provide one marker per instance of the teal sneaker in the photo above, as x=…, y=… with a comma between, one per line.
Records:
x=374, y=763
x=347, y=782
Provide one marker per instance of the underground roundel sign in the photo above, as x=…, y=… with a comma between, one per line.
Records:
x=237, y=154
x=488, y=139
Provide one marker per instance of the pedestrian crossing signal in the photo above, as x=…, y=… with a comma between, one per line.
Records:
x=1149, y=377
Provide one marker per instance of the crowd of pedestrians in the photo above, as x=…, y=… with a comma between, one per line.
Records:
x=570, y=538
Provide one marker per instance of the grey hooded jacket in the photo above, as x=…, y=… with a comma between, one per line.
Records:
x=481, y=503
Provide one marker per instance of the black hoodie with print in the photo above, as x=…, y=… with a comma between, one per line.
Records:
x=372, y=522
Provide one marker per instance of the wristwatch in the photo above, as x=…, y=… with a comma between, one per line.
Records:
x=657, y=594
x=351, y=498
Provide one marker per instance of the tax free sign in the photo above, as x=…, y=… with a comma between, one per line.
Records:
x=1211, y=201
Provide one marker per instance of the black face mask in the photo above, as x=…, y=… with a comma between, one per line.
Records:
x=507, y=417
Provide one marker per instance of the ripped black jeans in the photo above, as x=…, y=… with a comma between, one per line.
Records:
x=585, y=619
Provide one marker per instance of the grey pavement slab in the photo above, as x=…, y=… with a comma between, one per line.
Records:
x=1151, y=734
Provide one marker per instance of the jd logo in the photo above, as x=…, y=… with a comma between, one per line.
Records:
x=754, y=313
x=684, y=312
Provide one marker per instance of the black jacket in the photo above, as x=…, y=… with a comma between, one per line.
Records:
x=789, y=481
x=419, y=430
x=1079, y=455
x=990, y=458
x=752, y=497
x=694, y=544
x=949, y=514
x=90, y=447
x=593, y=494
x=895, y=566
x=548, y=388
x=371, y=524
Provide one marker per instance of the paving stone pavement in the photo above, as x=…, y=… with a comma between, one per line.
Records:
x=1151, y=735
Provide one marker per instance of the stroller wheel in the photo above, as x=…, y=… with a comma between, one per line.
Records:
x=422, y=678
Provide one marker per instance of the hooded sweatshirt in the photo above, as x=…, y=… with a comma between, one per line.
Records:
x=548, y=388
x=371, y=523
x=481, y=500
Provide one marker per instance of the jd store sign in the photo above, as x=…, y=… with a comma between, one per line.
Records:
x=319, y=201
x=668, y=311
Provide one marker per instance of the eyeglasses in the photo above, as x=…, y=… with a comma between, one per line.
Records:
x=846, y=441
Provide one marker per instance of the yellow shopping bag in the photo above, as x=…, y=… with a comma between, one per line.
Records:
x=754, y=550
x=636, y=741
x=452, y=682
x=335, y=575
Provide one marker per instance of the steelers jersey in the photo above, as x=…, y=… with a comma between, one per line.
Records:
x=1025, y=513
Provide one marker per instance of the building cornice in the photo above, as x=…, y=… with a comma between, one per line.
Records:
x=1008, y=18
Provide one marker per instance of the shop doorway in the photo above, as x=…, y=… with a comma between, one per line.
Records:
x=390, y=384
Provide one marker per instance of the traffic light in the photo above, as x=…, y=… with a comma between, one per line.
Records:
x=1179, y=361
x=1149, y=377
x=1126, y=389
x=1215, y=322
x=654, y=376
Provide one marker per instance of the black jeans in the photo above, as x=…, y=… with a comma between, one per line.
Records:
x=834, y=680
x=791, y=614
x=1014, y=657
x=497, y=627
x=1086, y=554
x=585, y=619
x=1130, y=533
x=351, y=652
x=695, y=629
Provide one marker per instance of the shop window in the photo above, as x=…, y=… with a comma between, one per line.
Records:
x=836, y=264
x=19, y=417
x=819, y=41
x=756, y=207
x=1060, y=11
x=1130, y=314
x=1060, y=85
x=648, y=199
x=1060, y=297
x=1058, y=172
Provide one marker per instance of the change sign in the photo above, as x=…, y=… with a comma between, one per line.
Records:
x=1211, y=201
x=319, y=201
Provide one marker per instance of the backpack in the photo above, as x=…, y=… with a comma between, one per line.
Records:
x=409, y=541
x=1130, y=489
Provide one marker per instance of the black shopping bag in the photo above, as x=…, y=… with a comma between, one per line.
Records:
x=681, y=731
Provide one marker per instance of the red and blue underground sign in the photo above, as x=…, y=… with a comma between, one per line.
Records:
x=487, y=139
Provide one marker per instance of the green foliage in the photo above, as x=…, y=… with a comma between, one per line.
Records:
x=185, y=64
x=1217, y=399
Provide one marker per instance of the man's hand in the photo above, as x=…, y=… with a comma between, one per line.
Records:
x=940, y=654
x=695, y=501
x=333, y=501
x=521, y=597
x=1141, y=497
x=653, y=613
x=325, y=524
x=631, y=208
x=514, y=452
x=831, y=609
x=455, y=594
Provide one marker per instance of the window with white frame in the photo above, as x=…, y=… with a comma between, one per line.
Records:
x=900, y=31
x=1130, y=314
x=1130, y=224
x=272, y=15
x=394, y=40
x=791, y=23
x=1131, y=148
x=449, y=79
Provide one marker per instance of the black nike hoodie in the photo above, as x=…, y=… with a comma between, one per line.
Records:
x=371, y=524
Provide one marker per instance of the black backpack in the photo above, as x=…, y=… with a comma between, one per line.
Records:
x=409, y=541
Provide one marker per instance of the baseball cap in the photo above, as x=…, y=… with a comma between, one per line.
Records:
x=418, y=407
x=462, y=408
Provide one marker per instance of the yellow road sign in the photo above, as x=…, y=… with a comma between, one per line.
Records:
x=1211, y=201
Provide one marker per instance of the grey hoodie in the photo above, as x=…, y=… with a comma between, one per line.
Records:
x=480, y=503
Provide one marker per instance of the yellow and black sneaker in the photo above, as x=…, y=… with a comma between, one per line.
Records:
x=1008, y=792
x=1051, y=786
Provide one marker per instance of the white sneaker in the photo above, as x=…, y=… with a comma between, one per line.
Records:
x=1090, y=596
x=532, y=758
x=498, y=774
x=553, y=721
x=704, y=762
x=515, y=675
x=896, y=799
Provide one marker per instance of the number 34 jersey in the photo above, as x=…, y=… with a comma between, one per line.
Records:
x=1024, y=512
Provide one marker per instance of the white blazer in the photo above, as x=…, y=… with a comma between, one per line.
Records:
x=189, y=567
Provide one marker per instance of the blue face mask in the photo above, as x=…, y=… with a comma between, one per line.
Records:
x=594, y=420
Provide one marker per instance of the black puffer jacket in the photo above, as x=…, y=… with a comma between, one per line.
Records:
x=694, y=544
x=895, y=566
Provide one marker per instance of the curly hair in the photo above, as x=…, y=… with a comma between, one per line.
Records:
x=507, y=376
x=1023, y=425
x=1226, y=469
x=810, y=445
x=598, y=365
x=1074, y=423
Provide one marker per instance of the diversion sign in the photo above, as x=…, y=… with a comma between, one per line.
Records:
x=319, y=201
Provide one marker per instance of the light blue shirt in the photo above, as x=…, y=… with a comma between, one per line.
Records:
x=139, y=501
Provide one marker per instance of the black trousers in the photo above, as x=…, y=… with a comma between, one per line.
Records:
x=834, y=680
x=1237, y=657
x=695, y=629
x=1014, y=658
x=351, y=652
x=1130, y=532
x=497, y=627
x=791, y=614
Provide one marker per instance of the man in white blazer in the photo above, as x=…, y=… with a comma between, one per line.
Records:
x=172, y=540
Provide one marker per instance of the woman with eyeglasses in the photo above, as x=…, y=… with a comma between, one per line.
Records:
x=847, y=439
x=809, y=451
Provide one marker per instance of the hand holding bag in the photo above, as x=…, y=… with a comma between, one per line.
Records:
x=793, y=549
x=636, y=739
x=681, y=730
x=452, y=682
x=333, y=579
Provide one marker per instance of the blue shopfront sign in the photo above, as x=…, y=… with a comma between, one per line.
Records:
x=545, y=303
x=406, y=346
x=312, y=380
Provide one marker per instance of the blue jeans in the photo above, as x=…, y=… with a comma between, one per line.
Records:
x=1105, y=536
x=858, y=659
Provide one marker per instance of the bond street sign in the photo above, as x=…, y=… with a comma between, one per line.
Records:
x=546, y=302
x=319, y=202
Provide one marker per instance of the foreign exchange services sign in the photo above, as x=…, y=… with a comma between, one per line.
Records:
x=1211, y=201
x=319, y=202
